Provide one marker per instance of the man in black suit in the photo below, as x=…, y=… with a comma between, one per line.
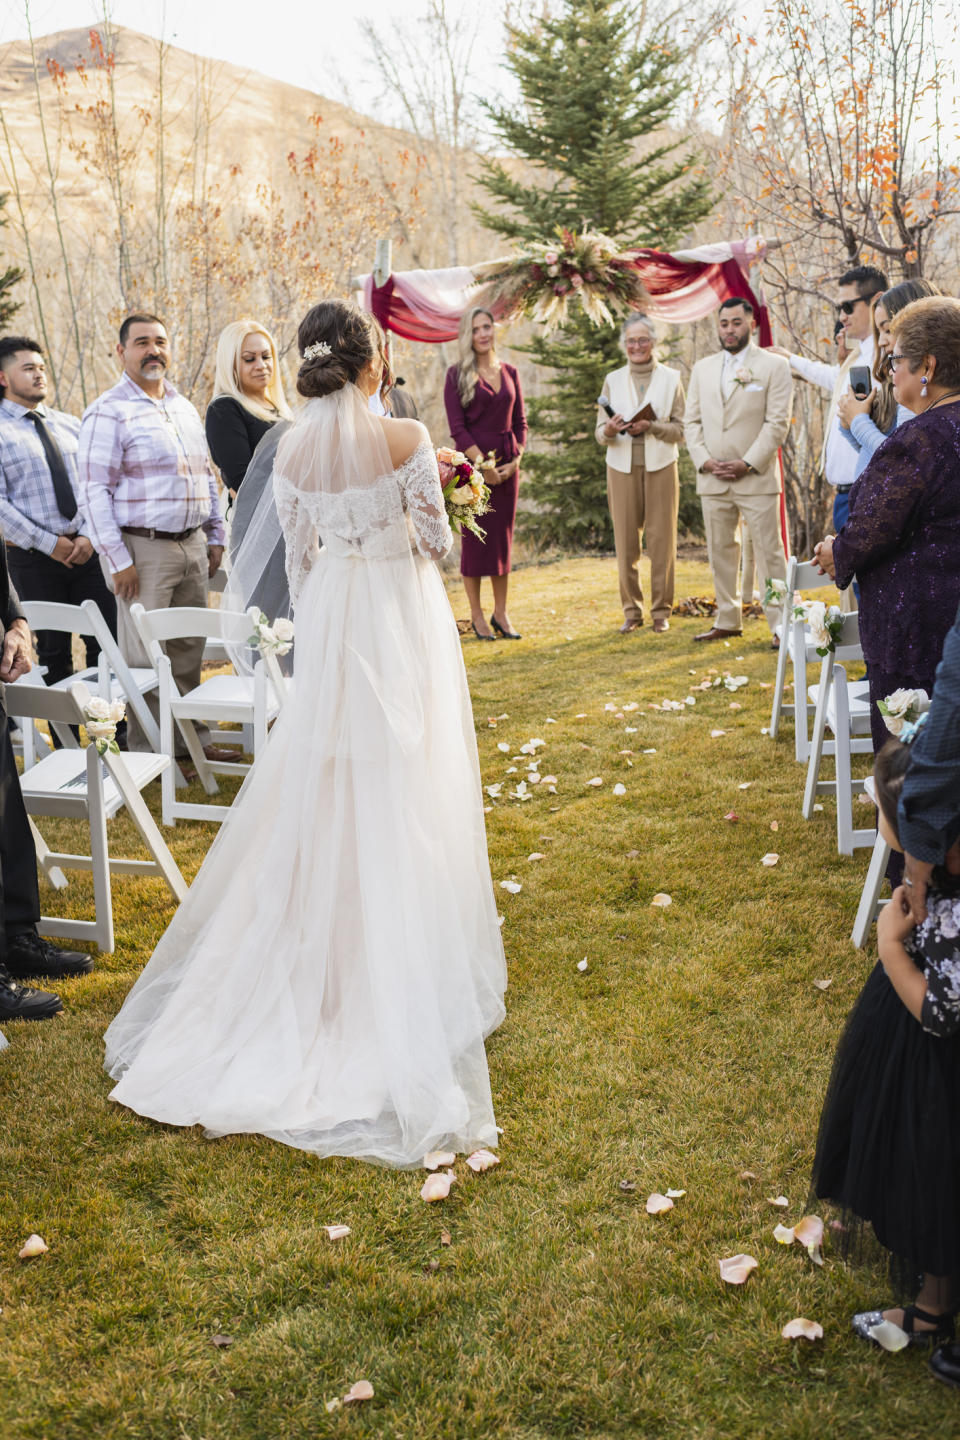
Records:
x=22, y=951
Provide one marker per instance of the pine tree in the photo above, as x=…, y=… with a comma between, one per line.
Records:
x=592, y=87
x=8, y=278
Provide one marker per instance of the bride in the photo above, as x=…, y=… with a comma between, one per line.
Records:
x=330, y=978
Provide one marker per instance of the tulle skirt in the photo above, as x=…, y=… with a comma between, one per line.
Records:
x=888, y=1150
x=333, y=972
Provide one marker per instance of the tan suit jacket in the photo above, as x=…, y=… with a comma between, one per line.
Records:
x=750, y=425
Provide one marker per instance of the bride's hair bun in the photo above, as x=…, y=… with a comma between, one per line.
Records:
x=341, y=339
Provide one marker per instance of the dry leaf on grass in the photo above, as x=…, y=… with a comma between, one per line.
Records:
x=445, y=1237
x=801, y=1329
x=748, y=1175
x=35, y=1245
x=482, y=1160
x=657, y=1204
x=437, y=1185
x=632, y=854
x=222, y=1342
x=336, y=1232
x=770, y=858
x=439, y=1159
x=628, y=1186
x=361, y=1390
x=736, y=1268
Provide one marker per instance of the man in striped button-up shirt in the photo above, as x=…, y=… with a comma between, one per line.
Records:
x=48, y=547
x=150, y=497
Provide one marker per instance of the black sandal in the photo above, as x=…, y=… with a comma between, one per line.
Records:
x=868, y=1320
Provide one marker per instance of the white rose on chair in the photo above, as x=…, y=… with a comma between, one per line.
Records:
x=277, y=637
x=775, y=593
x=101, y=718
x=825, y=623
x=902, y=707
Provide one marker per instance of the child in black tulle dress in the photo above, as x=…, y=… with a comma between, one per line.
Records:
x=888, y=1150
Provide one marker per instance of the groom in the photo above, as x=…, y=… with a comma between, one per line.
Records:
x=737, y=416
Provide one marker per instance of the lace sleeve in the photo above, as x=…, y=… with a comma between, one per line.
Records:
x=886, y=504
x=300, y=534
x=423, y=501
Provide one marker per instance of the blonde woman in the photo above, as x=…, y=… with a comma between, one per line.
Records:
x=643, y=482
x=247, y=399
x=485, y=412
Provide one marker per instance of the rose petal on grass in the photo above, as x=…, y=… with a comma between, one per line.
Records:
x=770, y=858
x=801, y=1329
x=715, y=734
x=482, y=1160
x=437, y=1159
x=748, y=1175
x=889, y=1336
x=774, y=824
x=34, y=1245
x=503, y=746
x=736, y=1268
x=536, y=856
x=657, y=1203
x=783, y=1234
x=597, y=780
x=662, y=900
x=582, y=964
x=732, y=816
x=823, y=984
x=335, y=1404
x=360, y=1390
x=222, y=1342
x=810, y=1235
x=676, y=1194
x=548, y=779
x=627, y=1186
x=512, y=887
x=336, y=1232
x=619, y=789
x=649, y=752
x=818, y=807
x=745, y=785
x=437, y=1186
x=780, y=1201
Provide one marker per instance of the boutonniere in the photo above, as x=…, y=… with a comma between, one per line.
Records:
x=743, y=375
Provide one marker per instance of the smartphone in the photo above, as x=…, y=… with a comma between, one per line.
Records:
x=861, y=381
x=604, y=404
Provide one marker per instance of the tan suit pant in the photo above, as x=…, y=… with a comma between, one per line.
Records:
x=760, y=515
x=171, y=572
x=640, y=502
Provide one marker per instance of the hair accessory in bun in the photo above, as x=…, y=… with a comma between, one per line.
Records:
x=319, y=348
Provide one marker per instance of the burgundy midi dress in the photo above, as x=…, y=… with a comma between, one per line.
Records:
x=494, y=420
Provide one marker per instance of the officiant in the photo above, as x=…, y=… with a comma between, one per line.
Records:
x=640, y=424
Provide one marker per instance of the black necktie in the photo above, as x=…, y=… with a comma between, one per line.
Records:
x=62, y=489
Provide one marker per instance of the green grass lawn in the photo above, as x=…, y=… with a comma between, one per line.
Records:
x=694, y=1047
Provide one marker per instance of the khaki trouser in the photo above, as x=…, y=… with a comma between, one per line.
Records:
x=760, y=515
x=171, y=572
x=639, y=502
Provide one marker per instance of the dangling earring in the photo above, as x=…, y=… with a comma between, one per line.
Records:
x=923, y=387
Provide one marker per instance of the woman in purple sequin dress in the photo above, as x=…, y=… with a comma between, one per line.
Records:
x=485, y=412
x=902, y=537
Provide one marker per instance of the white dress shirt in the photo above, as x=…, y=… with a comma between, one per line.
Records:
x=839, y=456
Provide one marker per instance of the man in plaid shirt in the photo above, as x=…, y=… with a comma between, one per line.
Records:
x=48, y=547
x=150, y=499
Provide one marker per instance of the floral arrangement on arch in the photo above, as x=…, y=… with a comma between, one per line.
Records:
x=543, y=282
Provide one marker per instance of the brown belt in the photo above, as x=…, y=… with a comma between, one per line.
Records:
x=146, y=534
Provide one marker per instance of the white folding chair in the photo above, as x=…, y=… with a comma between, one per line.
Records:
x=112, y=678
x=870, y=902
x=843, y=707
x=798, y=647
x=79, y=784
x=218, y=701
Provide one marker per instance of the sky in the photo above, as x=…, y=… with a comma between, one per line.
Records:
x=313, y=43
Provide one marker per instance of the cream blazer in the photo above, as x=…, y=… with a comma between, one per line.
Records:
x=618, y=388
x=750, y=425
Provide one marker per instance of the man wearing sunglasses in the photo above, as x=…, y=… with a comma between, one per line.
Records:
x=838, y=459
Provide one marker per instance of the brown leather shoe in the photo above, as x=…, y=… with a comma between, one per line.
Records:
x=221, y=752
x=661, y=625
x=717, y=634
x=631, y=623
x=775, y=643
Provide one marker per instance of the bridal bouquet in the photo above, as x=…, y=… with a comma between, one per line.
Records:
x=825, y=622
x=465, y=495
x=903, y=707
x=276, y=638
x=543, y=281
x=100, y=720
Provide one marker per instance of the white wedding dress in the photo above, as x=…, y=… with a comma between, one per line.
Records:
x=332, y=974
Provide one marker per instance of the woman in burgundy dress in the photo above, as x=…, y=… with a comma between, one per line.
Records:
x=485, y=412
x=902, y=536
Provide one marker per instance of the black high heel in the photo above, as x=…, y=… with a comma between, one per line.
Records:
x=478, y=635
x=507, y=634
